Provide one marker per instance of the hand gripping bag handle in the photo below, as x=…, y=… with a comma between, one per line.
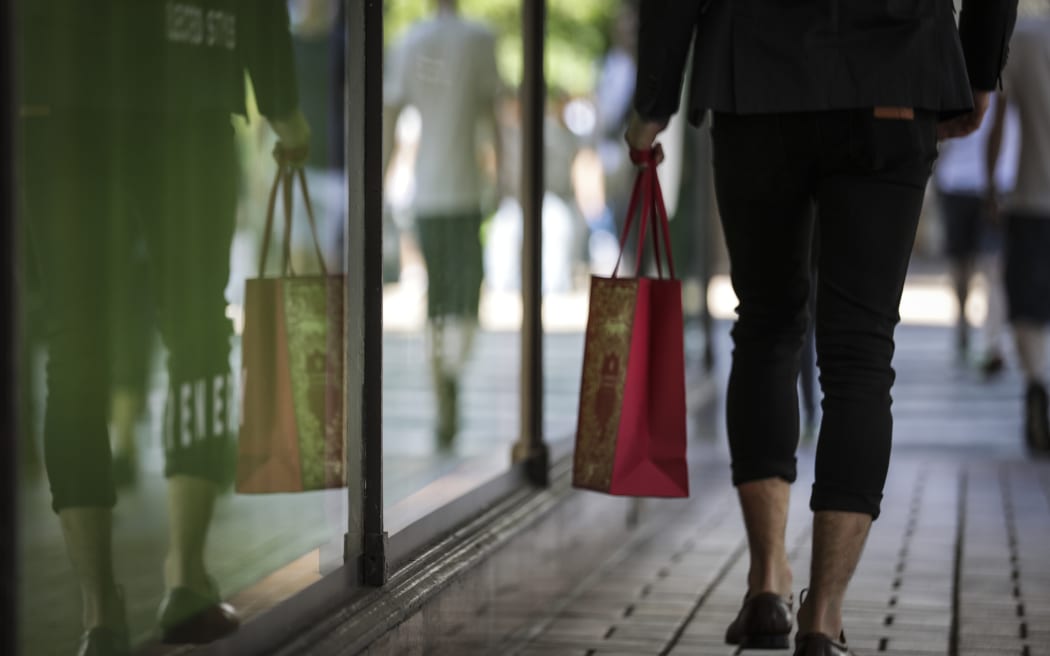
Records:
x=653, y=211
x=284, y=179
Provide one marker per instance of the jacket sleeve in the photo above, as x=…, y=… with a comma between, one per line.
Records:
x=985, y=27
x=265, y=42
x=665, y=32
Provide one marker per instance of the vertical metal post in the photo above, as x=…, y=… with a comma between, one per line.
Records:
x=366, y=539
x=8, y=341
x=531, y=448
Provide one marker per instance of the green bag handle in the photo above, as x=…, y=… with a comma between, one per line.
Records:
x=284, y=180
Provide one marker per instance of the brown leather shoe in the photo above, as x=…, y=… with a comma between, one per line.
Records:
x=764, y=622
x=818, y=644
x=108, y=640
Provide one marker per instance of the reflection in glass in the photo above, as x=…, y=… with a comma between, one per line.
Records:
x=141, y=206
x=587, y=179
x=451, y=390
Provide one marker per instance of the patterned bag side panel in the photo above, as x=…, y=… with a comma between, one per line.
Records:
x=605, y=362
x=306, y=317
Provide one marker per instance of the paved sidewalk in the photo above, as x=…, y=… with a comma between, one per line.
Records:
x=957, y=438
x=958, y=564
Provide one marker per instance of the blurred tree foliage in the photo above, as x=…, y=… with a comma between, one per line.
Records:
x=577, y=35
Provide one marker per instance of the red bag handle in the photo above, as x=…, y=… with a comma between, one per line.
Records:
x=652, y=210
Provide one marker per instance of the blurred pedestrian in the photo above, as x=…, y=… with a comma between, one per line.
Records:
x=445, y=67
x=1026, y=86
x=837, y=105
x=973, y=242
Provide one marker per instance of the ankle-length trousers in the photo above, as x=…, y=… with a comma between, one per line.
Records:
x=862, y=178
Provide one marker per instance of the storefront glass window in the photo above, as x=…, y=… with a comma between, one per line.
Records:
x=182, y=439
x=452, y=300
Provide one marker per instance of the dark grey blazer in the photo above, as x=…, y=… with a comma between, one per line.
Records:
x=765, y=56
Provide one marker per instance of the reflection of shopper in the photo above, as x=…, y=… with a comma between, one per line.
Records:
x=1026, y=85
x=837, y=108
x=972, y=241
x=128, y=108
x=446, y=68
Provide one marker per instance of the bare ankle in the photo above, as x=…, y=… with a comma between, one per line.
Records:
x=777, y=579
x=825, y=619
x=104, y=608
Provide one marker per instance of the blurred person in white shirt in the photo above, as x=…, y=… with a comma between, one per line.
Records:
x=445, y=67
x=1026, y=212
x=973, y=242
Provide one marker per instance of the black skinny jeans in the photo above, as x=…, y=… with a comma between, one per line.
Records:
x=865, y=177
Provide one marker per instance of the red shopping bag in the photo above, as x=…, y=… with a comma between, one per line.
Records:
x=291, y=436
x=630, y=436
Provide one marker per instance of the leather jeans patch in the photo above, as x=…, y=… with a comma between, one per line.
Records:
x=898, y=113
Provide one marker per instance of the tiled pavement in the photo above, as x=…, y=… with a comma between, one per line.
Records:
x=958, y=471
x=958, y=564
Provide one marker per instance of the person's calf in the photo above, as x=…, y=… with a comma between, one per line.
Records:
x=191, y=501
x=765, y=619
x=764, y=504
x=88, y=536
x=1032, y=345
x=1033, y=342
x=1037, y=418
x=838, y=541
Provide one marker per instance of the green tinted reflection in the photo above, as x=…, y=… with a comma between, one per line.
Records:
x=144, y=174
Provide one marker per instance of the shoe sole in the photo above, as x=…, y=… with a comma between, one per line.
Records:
x=194, y=635
x=765, y=642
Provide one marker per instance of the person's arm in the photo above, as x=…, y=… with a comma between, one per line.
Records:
x=497, y=148
x=265, y=45
x=985, y=27
x=395, y=98
x=390, y=116
x=489, y=90
x=991, y=154
x=665, y=31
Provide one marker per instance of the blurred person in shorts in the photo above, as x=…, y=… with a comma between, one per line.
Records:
x=1026, y=212
x=973, y=242
x=445, y=67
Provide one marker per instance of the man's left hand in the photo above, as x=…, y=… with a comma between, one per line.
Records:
x=293, y=138
x=641, y=134
x=960, y=126
x=990, y=208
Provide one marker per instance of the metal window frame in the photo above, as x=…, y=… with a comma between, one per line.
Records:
x=531, y=449
x=366, y=541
